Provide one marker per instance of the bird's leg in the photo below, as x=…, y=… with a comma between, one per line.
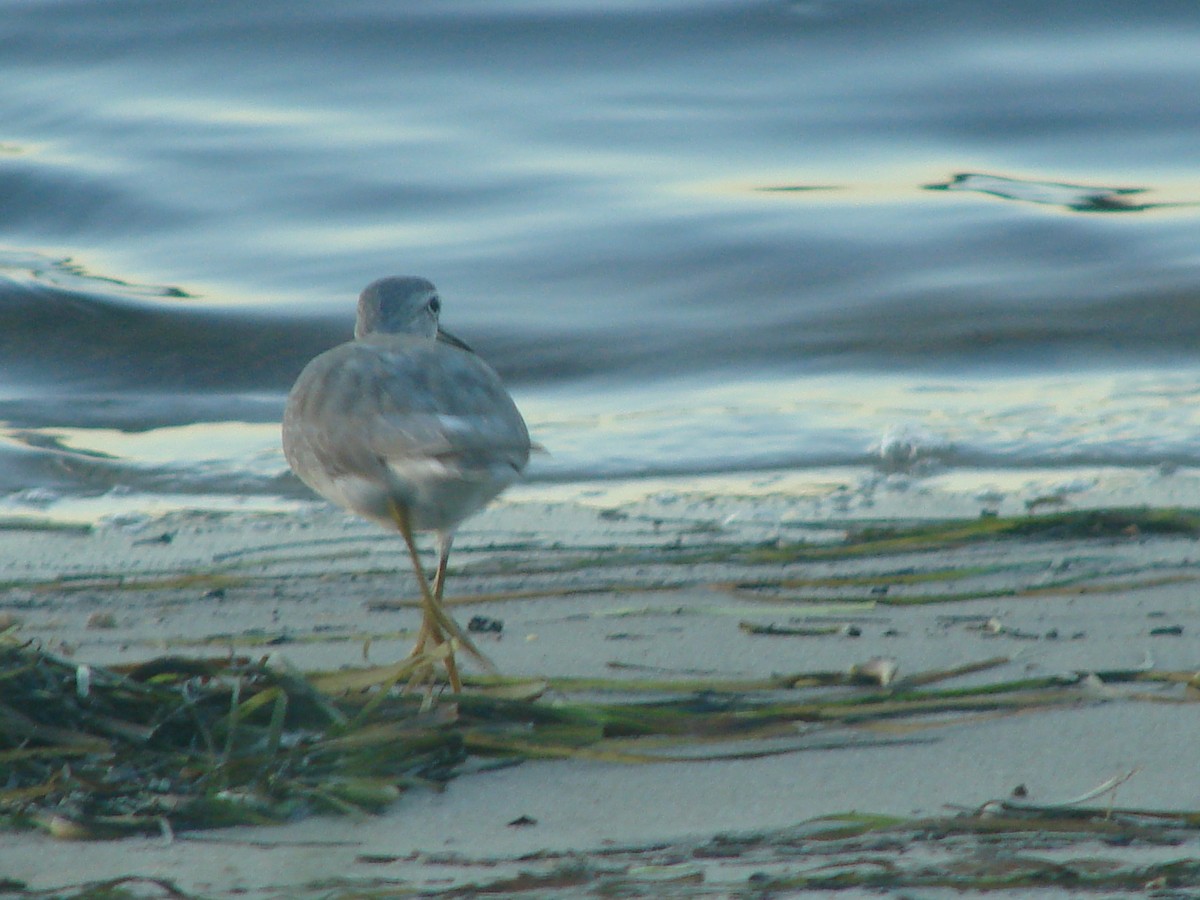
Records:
x=432, y=616
x=444, y=540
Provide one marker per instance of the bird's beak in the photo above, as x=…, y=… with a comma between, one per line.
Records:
x=447, y=338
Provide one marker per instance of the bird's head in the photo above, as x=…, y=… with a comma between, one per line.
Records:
x=402, y=304
x=398, y=305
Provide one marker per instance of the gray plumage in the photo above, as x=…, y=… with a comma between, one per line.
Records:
x=405, y=425
x=397, y=414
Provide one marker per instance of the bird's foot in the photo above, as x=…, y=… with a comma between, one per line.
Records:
x=440, y=647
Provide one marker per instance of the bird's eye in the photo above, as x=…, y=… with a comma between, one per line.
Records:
x=435, y=305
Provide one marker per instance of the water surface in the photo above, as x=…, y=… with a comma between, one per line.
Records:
x=901, y=236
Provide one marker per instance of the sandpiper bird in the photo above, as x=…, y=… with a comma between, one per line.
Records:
x=406, y=426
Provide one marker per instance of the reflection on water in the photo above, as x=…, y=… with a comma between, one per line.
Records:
x=49, y=467
x=1077, y=197
x=228, y=443
x=692, y=237
x=31, y=268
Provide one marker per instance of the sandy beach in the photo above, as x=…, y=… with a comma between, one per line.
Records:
x=677, y=580
x=857, y=549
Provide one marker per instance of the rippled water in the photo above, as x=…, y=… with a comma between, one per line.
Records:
x=694, y=237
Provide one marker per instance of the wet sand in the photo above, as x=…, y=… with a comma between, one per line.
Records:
x=629, y=581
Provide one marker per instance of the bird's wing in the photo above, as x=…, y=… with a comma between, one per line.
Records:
x=447, y=403
x=390, y=401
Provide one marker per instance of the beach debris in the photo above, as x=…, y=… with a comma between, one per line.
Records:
x=1108, y=787
x=126, y=887
x=164, y=538
x=1077, y=851
x=1140, y=672
x=656, y=715
x=1167, y=631
x=990, y=627
x=101, y=619
x=773, y=630
x=485, y=625
x=656, y=670
x=208, y=742
x=880, y=670
x=83, y=681
x=676, y=873
x=178, y=743
x=878, y=539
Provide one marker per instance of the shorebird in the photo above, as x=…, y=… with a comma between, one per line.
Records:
x=407, y=427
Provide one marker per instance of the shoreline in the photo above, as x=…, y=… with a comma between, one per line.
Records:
x=653, y=586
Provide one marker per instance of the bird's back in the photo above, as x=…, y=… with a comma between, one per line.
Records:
x=394, y=418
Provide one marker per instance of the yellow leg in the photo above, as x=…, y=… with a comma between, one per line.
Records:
x=433, y=618
x=439, y=578
x=444, y=540
x=439, y=585
x=436, y=624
